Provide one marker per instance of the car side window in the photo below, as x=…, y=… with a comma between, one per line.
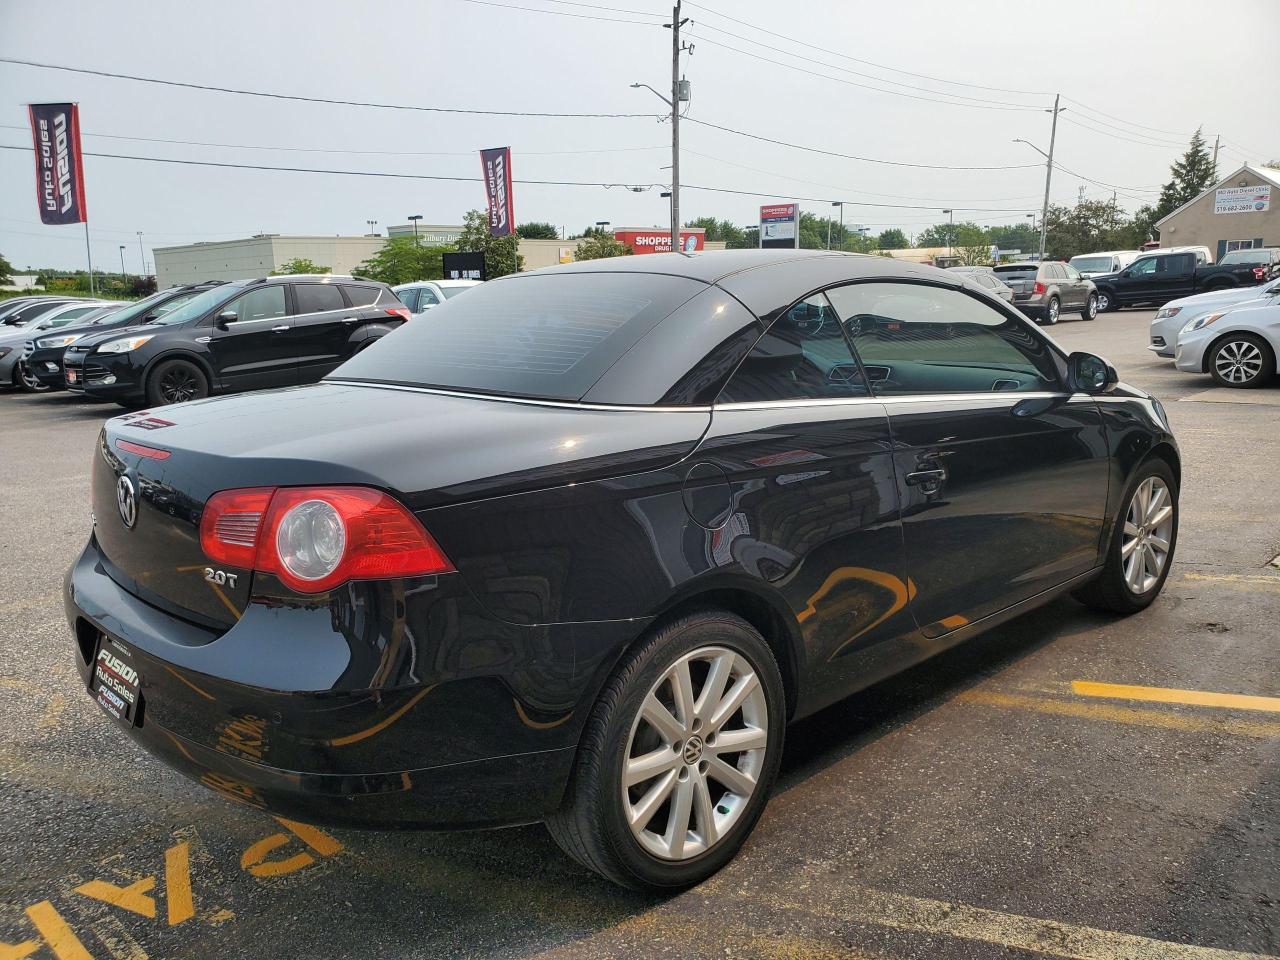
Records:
x=264, y=303
x=360, y=295
x=1145, y=268
x=409, y=298
x=803, y=355
x=317, y=297
x=918, y=339
x=428, y=298
x=1071, y=272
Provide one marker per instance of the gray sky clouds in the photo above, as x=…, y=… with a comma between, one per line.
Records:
x=1151, y=63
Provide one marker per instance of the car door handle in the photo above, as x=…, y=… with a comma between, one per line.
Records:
x=283, y=328
x=929, y=477
x=350, y=319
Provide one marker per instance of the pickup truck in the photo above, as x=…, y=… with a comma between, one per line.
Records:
x=1158, y=278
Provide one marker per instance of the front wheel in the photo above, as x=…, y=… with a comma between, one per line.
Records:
x=1090, y=311
x=176, y=381
x=1242, y=360
x=1142, y=544
x=1106, y=302
x=29, y=381
x=678, y=756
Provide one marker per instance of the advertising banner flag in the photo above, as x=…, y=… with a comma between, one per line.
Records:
x=497, y=188
x=55, y=130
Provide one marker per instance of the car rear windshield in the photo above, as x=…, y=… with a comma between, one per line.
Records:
x=1247, y=256
x=549, y=337
x=1092, y=264
x=451, y=292
x=1018, y=269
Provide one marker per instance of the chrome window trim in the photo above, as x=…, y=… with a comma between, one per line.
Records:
x=527, y=401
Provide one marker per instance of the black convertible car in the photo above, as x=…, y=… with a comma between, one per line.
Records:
x=579, y=547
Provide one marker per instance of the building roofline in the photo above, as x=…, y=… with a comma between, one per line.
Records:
x=1268, y=174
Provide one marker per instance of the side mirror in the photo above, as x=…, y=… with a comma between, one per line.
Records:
x=224, y=318
x=1090, y=374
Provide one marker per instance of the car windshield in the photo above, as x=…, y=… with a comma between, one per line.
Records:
x=451, y=292
x=1246, y=256
x=1092, y=264
x=182, y=309
x=136, y=311
x=551, y=336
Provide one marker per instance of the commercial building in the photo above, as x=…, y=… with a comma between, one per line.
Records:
x=259, y=256
x=429, y=234
x=1237, y=213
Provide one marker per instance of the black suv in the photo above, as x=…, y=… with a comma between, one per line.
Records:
x=1044, y=291
x=42, y=355
x=244, y=335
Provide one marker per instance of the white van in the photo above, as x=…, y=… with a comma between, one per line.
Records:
x=1107, y=261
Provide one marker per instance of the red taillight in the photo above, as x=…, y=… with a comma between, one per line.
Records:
x=401, y=312
x=1259, y=273
x=152, y=453
x=315, y=538
x=1039, y=288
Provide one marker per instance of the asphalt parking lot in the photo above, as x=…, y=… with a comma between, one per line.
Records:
x=1068, y=785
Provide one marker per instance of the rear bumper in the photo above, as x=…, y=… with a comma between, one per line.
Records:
x=459, y=748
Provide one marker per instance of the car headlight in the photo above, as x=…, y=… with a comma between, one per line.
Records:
x=125, y=344
x=1203, y=321
x=1166, y=312
x=58, y=341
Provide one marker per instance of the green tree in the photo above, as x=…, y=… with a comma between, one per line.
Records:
x=893, y=239
x=1141, y=228
x=1015, y=236
x=733, y=236
x=537, y=231
x=300, y=265
x=501, y=254
x=600, y=246
x=399, y=260
x=964, y=234
x=1190, y=176
x=1088, y=226
x=6, y=270
x=750, y=238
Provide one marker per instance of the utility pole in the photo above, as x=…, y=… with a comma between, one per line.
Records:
x=829, y=231
x=142, y=257
x=123, y=275
x=1048, y=175
x=676, y=24
x=1216, y=141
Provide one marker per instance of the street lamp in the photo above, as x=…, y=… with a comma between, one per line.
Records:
x=122, y=273
x=840, y=204
x=601, y=224
x=372, y=232
x=951, y=229
x=414, y=218
x=142, y=257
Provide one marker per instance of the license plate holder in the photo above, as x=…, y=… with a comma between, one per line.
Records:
x=71, y=376
x=114, y=681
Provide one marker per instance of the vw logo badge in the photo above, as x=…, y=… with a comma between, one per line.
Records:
x=693, y=750
x=127, y=502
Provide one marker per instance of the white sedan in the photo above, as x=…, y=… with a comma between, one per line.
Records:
x=421, y=295
x=1236, y=345
x=1176, y=314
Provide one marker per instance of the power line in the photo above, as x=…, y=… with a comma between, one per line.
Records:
x=863, y=86
x=1163, y=145
x=850, y=156
x=869, y=63
x=553, y=183
x=558, y=13
x=386, y=153
x=324, y=100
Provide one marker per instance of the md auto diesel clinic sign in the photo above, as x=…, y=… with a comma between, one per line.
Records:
x=659, y=241
x=1242, y=199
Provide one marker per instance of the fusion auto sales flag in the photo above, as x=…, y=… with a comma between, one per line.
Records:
x=497, y=188
x=55, y=129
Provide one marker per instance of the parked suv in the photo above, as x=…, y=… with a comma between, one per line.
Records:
x=41, y=361
x=245, y=335
x=1159, y=277
x=1043, y=291
x=1265, y=261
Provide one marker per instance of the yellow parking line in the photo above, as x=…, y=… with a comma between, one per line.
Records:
x=1237, y=581
x=1195, y=698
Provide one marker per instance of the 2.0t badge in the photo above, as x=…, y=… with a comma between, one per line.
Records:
x=127, y=501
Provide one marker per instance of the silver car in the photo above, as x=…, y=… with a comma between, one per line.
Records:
x=1236, y=345
x=12, y=340
x=1176, y=314
x=421, y=295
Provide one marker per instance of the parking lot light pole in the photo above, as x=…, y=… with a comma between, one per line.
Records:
x=142, y=257
x=840, y=204
x=951, y=229
x=414, y=218
x=122, y=273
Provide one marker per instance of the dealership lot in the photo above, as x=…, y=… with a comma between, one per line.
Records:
x=1067, y=785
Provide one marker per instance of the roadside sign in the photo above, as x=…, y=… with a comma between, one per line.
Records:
x=780, y=226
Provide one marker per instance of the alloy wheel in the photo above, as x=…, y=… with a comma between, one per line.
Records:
x=1091, y=308
x=695, y=753
x=1051, y=314
x=178, y=385
x=1238, y=361
x=1104, y=302
x=29, y=379
x=1147, y=528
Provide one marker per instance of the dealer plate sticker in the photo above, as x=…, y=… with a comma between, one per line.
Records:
x=71, y=376
x=115, y=682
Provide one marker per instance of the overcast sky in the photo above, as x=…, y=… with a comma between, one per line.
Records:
x=1169, y=66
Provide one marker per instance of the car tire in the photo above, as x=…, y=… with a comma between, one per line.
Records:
x=1107, y=302
x=1143, y=535
x=594, y=824
x=1052, y=311
x=176, y=381
x=1090, y=311
x=29, y=382
x=1242, y=360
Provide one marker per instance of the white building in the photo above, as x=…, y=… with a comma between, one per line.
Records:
x=258, y=257
x=429, y=234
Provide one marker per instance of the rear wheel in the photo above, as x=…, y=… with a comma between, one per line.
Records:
x=1142, y=544
x=1242, y=360
x=678, y=756
x=1090, y=311
x=176, y=381
x=1052, y=311
x=29, y=381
